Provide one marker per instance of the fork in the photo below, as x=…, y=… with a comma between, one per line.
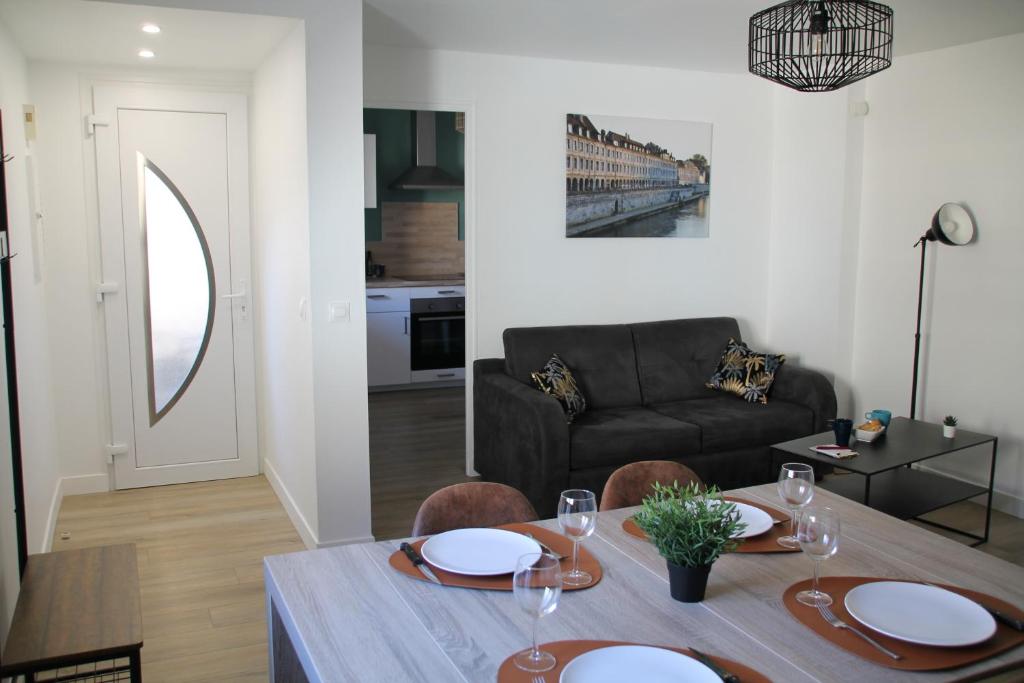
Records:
x=835, y=621
x=537, y=679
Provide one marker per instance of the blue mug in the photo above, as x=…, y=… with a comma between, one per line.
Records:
x=883, y=416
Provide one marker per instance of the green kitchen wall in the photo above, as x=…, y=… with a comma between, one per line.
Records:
x=396, y=152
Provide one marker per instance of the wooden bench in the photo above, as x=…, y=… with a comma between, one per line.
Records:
x=80, y=610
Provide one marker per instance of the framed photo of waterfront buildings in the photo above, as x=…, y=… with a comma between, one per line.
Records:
x=633, y=177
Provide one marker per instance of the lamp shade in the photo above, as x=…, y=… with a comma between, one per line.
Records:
x=820, y=45
x=952, y=224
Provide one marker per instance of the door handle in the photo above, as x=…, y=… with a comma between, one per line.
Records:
x=377, y=296
x=242, y=294
x=406, y=326
x=236, y=295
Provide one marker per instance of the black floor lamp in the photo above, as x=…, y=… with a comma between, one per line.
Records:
x=952, y=224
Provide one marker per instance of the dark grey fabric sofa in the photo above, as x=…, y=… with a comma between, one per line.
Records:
x=644, y=385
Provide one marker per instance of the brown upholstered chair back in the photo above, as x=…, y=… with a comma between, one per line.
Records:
x=472, y=504
x=629, y=484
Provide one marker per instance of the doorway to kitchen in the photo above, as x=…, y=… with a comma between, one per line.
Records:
x=415, y=309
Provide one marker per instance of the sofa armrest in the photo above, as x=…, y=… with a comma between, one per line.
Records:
x=807, y=388
x=520, y=436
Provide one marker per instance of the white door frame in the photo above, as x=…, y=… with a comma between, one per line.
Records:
x=468, y=107
x=107, y=99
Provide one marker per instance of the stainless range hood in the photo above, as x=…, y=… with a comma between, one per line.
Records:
x=425, y=175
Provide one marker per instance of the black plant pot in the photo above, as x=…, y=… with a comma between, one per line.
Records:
x=688, y=584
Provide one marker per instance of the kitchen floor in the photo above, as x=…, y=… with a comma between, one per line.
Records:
x=417, y=446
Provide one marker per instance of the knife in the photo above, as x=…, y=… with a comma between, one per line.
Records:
x=719, y=671
x=419, y=563
x=1001, y=617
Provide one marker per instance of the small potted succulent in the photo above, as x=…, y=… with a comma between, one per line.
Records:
x=949, y=426
x=690, y=528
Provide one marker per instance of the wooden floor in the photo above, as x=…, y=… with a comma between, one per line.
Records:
x=417, y=445
x=1006, y=535
x=200, y=550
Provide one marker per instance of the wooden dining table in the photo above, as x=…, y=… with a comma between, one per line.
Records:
x=343, y=614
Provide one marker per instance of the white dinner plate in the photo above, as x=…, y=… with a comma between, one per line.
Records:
x=920, y=614
x=478, y=552
x=757, y=520
x=619, y=663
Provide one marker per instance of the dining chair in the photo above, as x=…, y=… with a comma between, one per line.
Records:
x=629, y=484
x=472, y=504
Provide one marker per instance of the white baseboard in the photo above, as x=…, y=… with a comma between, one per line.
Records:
x=51, y=519
x=1002, y=501
x=298, y=520
x=86, y=483
x=346, y=541
x=70, y=486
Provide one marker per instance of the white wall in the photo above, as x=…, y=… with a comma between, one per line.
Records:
x=280, y=226
x=34, y=378
x=815, y=182
x=947, y=126
x=35, y=385
x=525, y=272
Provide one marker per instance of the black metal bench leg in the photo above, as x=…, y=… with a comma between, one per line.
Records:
x=135, y=660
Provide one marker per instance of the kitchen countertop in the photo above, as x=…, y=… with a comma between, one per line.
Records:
x=445, y=280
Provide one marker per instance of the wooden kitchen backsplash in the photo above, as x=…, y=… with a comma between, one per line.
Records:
x=419, y=238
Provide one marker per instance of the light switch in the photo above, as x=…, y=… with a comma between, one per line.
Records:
x=338, y=311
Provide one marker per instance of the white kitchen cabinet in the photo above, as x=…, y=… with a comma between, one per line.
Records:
x=387, y=348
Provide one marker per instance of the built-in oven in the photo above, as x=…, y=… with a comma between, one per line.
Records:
x=437, y=331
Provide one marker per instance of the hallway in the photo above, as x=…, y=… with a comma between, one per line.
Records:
x=200, y=548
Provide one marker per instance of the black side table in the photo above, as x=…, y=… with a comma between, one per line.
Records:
x=889, y=483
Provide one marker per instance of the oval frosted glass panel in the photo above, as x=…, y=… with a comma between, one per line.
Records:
x=180, y=289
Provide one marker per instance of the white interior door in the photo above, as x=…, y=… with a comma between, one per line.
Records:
x=172, y=172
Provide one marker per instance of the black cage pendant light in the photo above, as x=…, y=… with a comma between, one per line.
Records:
x=817, y=46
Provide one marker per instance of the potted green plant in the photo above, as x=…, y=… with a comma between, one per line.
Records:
x=949, y=426
x=690, y=528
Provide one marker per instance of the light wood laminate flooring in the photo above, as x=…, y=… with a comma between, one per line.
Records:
x=200, y=552
x=417, y=446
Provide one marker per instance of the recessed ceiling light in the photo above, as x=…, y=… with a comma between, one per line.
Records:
x=147, y=54
x=150, y=28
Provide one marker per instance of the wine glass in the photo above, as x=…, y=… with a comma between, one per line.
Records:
x=818, y=532
x=577, y=515
x=796, y=489
x=537, y=584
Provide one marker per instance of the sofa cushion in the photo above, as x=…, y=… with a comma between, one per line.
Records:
x=726, y=422
x=746, y=373
x=676, y=357
x=616, y=436
x=556, y=379
x=601, y=358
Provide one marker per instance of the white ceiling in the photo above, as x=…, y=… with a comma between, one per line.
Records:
x=706, y=35
x=104, y=33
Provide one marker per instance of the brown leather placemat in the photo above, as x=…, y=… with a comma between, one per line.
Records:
x=915, y=657
x=765, y=543
x=566, y=650
x=503, y=582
